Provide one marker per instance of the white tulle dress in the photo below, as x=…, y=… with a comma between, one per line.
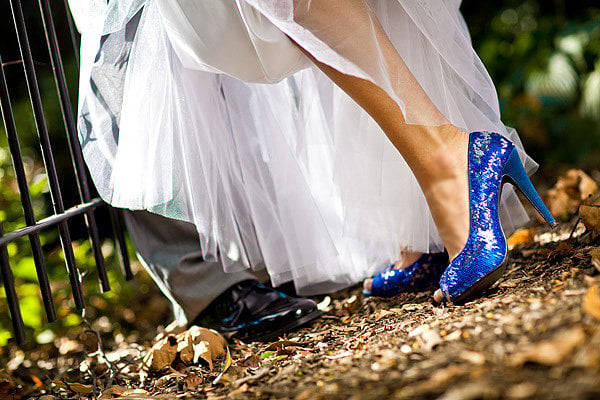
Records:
x=205, y=111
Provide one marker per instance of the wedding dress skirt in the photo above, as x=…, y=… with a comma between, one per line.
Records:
x=205, y=111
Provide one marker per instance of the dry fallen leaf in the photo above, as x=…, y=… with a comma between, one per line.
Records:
x=113, y=390
x=474, y=357
x=595, y=253
x=570, y=191
x=74, y=387
x=590, y=216
x=192, y=381
x=168, y=380
x=343, y=354
x=141, y=394
x=521, y=236
x=130, y=392
x=525, y=390
x=324, y=305
x=429, y=340
x=162, y=354
x=413, y=307
x=242, y=389
x=207, y=344
x=442, y=376
x=561, y=251
x=591, y=302
x=383, y=313
x=471, y=390
x=550, y=352
x=352, y=304
x=172, y=329
x=192, y=345
x=426, y=337
x=457, y=334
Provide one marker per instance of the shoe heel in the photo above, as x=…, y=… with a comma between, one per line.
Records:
x=516, y=172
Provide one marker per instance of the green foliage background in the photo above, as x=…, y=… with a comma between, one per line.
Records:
x=543, y=56
x=11, y=213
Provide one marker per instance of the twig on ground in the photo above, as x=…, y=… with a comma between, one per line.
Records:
x=251, y=378
x=573, y=230
x=101, y=355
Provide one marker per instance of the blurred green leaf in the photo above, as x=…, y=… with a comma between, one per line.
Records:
x=72, y=320
x=558, y=80
x=4, y=336
x=25, y=269
x=590, y=100
x=30, y=304
x=39, y=185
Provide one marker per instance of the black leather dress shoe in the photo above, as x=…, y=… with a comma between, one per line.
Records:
x=251, y=311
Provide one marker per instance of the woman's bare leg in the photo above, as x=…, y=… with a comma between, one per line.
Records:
x=437, y=155
x=436, y=151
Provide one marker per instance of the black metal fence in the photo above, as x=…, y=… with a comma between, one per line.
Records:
x=87, y=206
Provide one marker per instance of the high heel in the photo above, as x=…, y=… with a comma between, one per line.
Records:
x=420, y=275
x=492, y=159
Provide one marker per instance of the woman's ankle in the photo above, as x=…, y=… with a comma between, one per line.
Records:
x=446, y=189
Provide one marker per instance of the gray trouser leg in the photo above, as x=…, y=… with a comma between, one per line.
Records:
x=170, y=251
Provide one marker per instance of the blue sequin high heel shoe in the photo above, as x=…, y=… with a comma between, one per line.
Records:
x=420, y=275
x=492, y=159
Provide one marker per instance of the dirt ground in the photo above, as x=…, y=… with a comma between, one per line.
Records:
x=528, y=337
x=534, y=334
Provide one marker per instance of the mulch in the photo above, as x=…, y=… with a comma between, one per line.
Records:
x=534, y=334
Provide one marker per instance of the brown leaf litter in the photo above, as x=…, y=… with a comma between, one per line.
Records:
x=550, y=352
x=534, y=334
x=188, y=347
x=570, y=191
x=590, y=216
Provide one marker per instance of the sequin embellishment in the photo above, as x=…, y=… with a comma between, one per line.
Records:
x=485, y=249
x=421, y=275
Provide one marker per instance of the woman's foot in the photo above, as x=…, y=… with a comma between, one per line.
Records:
x=444, y=181
x=407, y=258
x=481, y=261
x=443, y=177
x=419, y=275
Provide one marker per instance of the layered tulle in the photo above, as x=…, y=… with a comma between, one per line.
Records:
x=289, y=173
